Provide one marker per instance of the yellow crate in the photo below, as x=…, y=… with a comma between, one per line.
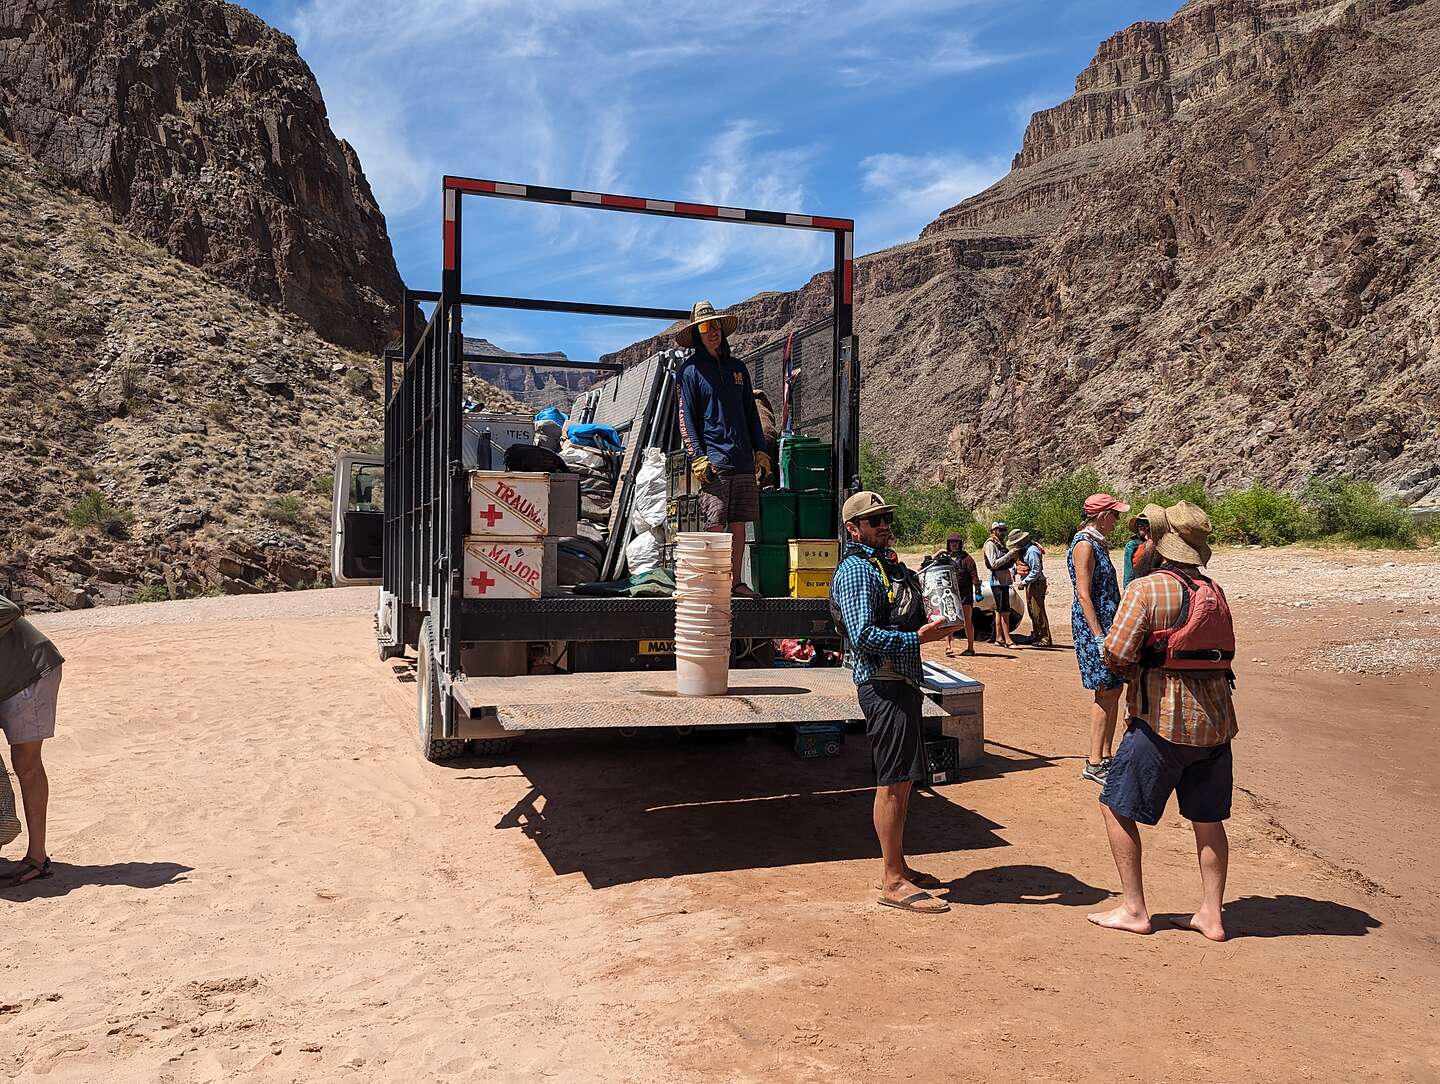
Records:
x=817, y=553
x=810, y=582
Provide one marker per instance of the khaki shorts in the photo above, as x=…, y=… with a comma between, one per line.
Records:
x=29, y=715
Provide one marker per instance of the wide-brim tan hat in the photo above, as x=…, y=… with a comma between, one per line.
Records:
x=1154, y=517
x=699, y=313
x=862, y=504
x=1017, y=537
x=1185, y=538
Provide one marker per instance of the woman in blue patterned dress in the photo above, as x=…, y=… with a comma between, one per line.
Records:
x=1097, y=597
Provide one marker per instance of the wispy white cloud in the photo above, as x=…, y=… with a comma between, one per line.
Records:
x=910, y=190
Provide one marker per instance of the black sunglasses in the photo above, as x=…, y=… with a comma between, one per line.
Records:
x=878, y=518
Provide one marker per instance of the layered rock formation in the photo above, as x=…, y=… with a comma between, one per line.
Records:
x=535, y=385
x=1219, y=259
x=203, y=131
x=160, y=432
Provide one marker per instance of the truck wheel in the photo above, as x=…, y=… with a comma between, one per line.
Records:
x=491, y=747
x=427, y=683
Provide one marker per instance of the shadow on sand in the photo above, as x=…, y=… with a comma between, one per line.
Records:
x=1288, y=916
x=621, y=810
x=69, y=876
x=1023, y=884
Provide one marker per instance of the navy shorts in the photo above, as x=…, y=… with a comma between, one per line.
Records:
x=1147, y=769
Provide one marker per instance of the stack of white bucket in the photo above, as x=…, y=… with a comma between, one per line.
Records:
x=702, y=613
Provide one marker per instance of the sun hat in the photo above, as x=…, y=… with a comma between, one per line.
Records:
x=1154, y=517
x=1185, y=537
x=864, y=503
x=1103, y=502
x=1136, y=520
x=700, y=312
x=1017, y=537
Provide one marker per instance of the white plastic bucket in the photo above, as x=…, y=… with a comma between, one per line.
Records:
x=702, y=675
x=702, y=613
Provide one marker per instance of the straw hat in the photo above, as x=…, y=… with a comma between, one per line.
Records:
x=1017, y=537
x=700, y=312
x=1154, y=517
x=1185, y=535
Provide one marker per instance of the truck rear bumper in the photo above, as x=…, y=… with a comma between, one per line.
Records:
x=577, y=618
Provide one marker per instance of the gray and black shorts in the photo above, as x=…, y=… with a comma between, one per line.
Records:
x=892, y=723
x=731, y=497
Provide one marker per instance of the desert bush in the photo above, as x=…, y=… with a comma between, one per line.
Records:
x=924, y=515
x=1355, y=511
x=357, y=380
x=218, y=410
x=285, y=510
x=1052, y=511
x=94, y=509
x=1260, y=516
x=151, y=592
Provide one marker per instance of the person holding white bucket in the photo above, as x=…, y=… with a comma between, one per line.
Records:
x=720, y=425
x=880, y=610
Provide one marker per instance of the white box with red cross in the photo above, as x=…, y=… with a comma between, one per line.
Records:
x=516, y=504
x=509, y=567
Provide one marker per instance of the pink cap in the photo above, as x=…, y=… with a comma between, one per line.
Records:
x=1103, y=502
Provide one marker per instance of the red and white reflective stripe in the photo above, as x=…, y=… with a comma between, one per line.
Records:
x=543, y=194
x=847, y=269
x=451, y=196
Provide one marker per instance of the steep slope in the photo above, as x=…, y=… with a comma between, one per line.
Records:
x=208, y=422
x=1217, y=260
x=203, y=131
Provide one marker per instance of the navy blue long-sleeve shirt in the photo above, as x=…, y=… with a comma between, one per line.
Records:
x=718, y=417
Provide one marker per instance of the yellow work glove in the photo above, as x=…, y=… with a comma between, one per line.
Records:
x=701, y=470
x=762, y=465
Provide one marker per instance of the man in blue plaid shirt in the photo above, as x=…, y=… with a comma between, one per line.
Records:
x=888, y=680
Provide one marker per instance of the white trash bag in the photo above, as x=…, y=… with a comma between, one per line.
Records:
x=647, y=513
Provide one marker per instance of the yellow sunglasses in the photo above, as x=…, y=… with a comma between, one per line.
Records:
x=704, y=326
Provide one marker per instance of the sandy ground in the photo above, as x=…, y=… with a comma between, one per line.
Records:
x=259, y=879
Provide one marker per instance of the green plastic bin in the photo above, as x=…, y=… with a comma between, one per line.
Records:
x=804, y=464
x=815, y=515
x=770, y=567
x=778, y=512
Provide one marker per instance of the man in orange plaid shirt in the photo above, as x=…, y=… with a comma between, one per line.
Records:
x=1178, y=736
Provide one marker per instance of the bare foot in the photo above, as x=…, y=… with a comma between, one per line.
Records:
x=1211, y=927
x=1121, y=919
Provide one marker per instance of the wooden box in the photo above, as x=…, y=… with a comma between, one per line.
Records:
x=509, y=567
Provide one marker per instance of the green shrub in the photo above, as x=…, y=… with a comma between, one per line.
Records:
x=1052, y=511
x=1260, y=516
x=94, y=509
x=285, y=509
x=217, y=410
x=1355, y=511
x=924, y=516
x=151, y=592
x=357, y=380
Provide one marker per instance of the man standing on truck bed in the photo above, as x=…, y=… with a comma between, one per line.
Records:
x=872, y=597
x=721, y=429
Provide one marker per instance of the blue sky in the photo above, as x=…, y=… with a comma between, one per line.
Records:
x=883, y=112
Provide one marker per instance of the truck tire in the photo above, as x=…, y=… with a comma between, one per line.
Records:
x=491, y=747
x=428, y=710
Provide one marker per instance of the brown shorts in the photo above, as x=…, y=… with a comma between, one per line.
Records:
x=732, y=497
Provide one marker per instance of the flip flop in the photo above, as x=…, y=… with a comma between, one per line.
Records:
x=28, y=870
x=909, y=902
x=919, y=880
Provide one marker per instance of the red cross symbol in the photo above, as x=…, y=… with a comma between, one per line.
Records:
x=490, y=515
x=482, y=581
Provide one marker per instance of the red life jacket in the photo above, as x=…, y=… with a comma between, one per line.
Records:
x=1203, y=635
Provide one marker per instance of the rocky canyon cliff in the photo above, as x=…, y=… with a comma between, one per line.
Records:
x=1216, y=260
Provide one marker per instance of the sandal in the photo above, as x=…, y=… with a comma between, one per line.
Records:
x=27, y=871
x=911, y=902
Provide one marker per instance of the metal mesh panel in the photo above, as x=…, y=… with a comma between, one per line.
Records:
x=813, y=363
x=618, y=400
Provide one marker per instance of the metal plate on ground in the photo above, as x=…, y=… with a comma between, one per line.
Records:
x=648, y=699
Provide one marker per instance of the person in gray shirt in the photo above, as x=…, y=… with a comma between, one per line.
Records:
x=29, y=687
